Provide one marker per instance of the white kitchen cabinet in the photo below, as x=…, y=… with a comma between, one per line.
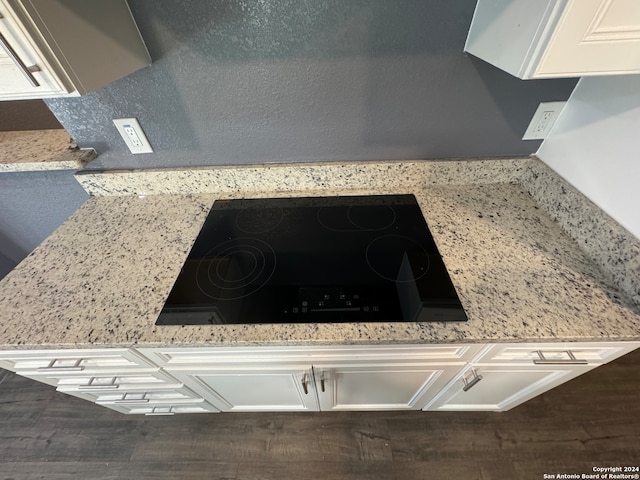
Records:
x=506, y=375
x=167, y=381
x=386, y=386
x=315, y=378
x=50, y=366
x=117, y=378
x=502, y=387
x=255, y=388
x=557, y=38
x=54, y=48
x=559, y=353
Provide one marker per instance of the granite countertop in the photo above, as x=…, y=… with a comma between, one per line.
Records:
x=40, y=150
x=102, y=278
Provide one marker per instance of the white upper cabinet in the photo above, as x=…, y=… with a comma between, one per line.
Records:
x=557, y=38
x=57, y=48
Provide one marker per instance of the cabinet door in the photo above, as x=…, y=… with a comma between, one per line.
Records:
x=253, y=388
x=594, y=37
x=381, y=387
x=24, y=70
x=502, y=387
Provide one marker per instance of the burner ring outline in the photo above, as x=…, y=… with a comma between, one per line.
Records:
x=405, y=241
x=257, y=279
x=279, y=216
x=232, y=252
x=349, y=218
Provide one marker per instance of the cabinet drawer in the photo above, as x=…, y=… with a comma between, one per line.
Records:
x=168, y=409
x=72, y=362
x=137, y=397
x=555, y=353
x=110, y=382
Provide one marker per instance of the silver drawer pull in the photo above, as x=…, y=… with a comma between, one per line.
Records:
x=142, y=400
x=572, y=360
x=468, y=384
x=124, y=399
x=99, y=386
x=26, y=71
x=76, y=367
x=305, y=384
x=157, y=411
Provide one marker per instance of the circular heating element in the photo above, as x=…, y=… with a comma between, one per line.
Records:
x=357, y=218
x=385, y=255
x=236, y=268
x=248, y=221
x=371, y=218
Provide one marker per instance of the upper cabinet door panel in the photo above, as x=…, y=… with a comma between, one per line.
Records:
x=594, y=36
x=557, y=38
x=58, y=48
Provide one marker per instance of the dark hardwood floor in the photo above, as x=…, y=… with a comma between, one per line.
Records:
x=591, y=421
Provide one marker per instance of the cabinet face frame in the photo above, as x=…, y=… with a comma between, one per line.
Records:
x=425, y=368
x=436, y=373
x=309, y=355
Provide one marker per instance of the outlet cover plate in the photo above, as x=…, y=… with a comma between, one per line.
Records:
x=543, y=120
x=133, y=135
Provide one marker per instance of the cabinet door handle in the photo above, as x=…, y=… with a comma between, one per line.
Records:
x=125, y=400
x=468, y=384
x=572, y=360
x=26, y=71
x=76, y=367
x=305, y=384
x=322, y=382
x=157, y=411
x=91, y=386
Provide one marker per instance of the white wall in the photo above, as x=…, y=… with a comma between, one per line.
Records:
x=595, y=145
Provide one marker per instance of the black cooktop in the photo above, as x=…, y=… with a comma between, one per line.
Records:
x=313, y=260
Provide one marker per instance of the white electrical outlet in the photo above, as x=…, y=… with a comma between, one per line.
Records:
x=132, y=134
x=542, y=121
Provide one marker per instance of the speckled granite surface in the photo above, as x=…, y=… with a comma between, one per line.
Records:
x=102, y=277
x=614, y=249
x=401, y=176
x=38, y=150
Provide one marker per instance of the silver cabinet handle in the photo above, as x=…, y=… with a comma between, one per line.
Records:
x=125, y=400
x=572, y=360
x=322, y=382
x=103, y=386
x=468, y=384
x=76, y=367
x=157, y=411
x=26, y=71
x=305, y=384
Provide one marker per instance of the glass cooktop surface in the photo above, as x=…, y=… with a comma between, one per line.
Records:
x=313, y=260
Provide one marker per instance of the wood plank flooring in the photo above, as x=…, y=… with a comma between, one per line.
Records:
x=592, y=421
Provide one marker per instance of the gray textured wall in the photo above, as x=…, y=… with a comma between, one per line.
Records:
x=247, y=81
x=32, y=205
